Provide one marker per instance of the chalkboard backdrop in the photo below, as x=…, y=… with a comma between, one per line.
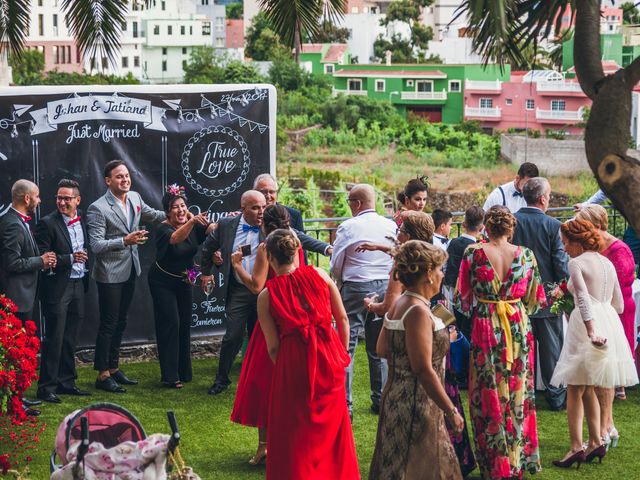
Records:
x=212, y=139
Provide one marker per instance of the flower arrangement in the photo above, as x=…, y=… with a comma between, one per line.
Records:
x=560, y=298
x=175, y=189
x=191, y=275
x=18, y=369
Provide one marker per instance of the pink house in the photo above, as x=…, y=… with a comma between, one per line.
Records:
x=535, y=100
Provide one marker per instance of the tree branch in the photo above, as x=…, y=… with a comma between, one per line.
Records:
x=632, y=72
x=586, y=46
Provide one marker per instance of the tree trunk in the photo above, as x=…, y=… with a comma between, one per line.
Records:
x=297, y=45
x=607, y=133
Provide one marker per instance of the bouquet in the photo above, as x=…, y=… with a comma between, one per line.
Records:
x=190, y=276
x=560, y=298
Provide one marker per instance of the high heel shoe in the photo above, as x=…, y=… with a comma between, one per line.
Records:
x=615, y=437
x=598, y=453
x=260, y=456
x=578, y=456
x=606, y=441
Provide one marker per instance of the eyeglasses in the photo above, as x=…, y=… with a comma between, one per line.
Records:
x=268, y=192
x=60, y=198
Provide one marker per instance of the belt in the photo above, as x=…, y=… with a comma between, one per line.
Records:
x=75, y=279
x=504, y=309
x=168, y=273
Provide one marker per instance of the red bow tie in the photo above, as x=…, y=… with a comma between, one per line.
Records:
x=75, y=220
x=25, y=218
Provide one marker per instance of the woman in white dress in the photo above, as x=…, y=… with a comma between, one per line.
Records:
x=595, y=351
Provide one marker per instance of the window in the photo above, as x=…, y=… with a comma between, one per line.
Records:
x=78, y=56
x=184, y=64
x=190, y=29
x=558, y=105
x=486, y=103
x=531, y=104
x=164, y=50
x=136, y=61
x=39, y=3
x=56, y=55
x=206, y=28
x=68, y=50
x=205, y=2
x=184, y=50
x=105, y=63
x=163, y=5
x=220, y=42
x=183, y=30
x=354, y=84
x=40, y=24
x=455, y=86
x=409, y=83
x=156, y=29
x=424, y=86
x=219, y=24
x=164, y=65
x=328, y=68
x=508, y=101
x=134, y=26
x=55, y=24
x=380, y=85
x=125, y=62
x=124, y=26
x=170, y=29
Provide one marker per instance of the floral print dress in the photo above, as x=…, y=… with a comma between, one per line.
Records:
x=501, y=371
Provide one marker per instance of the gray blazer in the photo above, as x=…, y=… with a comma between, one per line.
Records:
x=107, y=227
x=541, y=234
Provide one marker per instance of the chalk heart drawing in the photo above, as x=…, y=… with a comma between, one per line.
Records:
x=215, y=161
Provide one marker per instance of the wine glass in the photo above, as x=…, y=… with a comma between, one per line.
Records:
x=208, y=289
x=84, y=264
x=144, y=239
x=50, y=272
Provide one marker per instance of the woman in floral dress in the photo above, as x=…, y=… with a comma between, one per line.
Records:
x=504, y=280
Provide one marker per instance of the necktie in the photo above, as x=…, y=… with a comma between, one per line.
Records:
x=75, y=220
x=517, y=194
x=25, y=218
x=253, y=228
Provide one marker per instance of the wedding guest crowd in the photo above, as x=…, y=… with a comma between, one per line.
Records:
x=403, y=283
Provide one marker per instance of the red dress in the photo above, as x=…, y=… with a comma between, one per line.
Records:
x=251, y=406
x=620, y=255
x=310, y=435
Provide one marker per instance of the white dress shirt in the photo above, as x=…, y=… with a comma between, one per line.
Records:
x=248, y=237
x=513, y=199
x=77, y=245
x=346, y=264
x=599, y=197
x=440, y=241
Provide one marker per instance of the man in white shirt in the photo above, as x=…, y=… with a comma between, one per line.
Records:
x=510, y=194
x=362, y=274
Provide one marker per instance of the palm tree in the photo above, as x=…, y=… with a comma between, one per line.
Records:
x=291, y=18
x=501, y=28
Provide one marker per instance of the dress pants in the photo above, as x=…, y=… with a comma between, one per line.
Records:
x=241, y=311
x=353, y=294
x=172, y=299
x=114, y=300
x=63, y=320
x=24, y=316
x=547, y=332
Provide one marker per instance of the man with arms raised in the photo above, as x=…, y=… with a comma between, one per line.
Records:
x=114, y=235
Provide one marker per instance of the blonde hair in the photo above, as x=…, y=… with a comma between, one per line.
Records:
x=418, y=225
x=500, y=222
x=595, y=214
x=414, y=259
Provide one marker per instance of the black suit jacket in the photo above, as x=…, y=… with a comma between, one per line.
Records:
x=20, y=262
x=52, y=235
x=456, y=249
x=296, y=219
x=541, y=234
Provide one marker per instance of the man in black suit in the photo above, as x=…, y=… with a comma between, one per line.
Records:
x=62, y=295
x=19, y=254
x=541, y=233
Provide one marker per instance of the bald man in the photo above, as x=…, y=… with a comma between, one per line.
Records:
x=361, y=274
x=240, y=306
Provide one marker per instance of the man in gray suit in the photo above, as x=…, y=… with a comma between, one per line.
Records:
x=113, y=222
x=541, y=234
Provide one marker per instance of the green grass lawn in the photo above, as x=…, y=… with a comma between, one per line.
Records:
x=219, y=449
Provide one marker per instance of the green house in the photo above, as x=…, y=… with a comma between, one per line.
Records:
x=433, y=91
x=324, y=58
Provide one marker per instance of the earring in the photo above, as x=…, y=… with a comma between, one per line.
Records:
x=429, y=281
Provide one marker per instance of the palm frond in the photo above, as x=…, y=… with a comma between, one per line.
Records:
x=96, y=26
x=291, y=17
x=14, y=24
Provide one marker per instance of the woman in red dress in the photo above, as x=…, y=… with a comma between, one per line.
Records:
x=251, y=405
x=310, y=433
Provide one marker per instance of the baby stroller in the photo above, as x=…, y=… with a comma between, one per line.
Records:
x=105, y=441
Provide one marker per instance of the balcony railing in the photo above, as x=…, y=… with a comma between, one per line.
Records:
x=561, y=86
x=568, y=115
x=492, y=86
x=495, y=112
x=349, y=92
x=424, y=95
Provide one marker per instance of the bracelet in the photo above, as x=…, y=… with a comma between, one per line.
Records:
x=452, y=413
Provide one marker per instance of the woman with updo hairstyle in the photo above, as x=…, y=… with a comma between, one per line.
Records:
x=251, y=406
x=177, y=240
x=620, y=255
x=595, y=352
x=412, y=439
x=412, y=198
x=309, y=433
x=499, y=286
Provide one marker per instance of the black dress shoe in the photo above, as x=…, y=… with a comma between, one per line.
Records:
x=72, y=391
x=30, y=403
x=109, y=385
x=217, y=388
x=32, y=412
x=48, y=397
x=122, y=379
